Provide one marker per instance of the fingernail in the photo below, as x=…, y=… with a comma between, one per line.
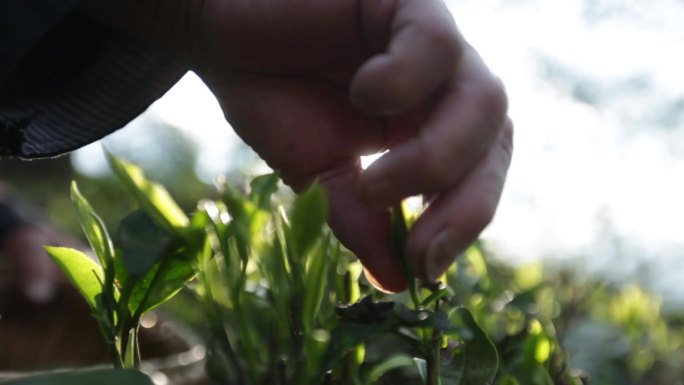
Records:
x=40, y=292
x=442, y=252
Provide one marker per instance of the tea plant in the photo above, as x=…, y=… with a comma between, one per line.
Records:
x=284, y=303
x=150, y=263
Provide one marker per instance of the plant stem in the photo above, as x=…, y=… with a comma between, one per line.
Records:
x=415, y=295
x=433, y=359
x=249, y=345
x=110, y=341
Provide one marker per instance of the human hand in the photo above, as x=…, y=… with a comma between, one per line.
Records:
x=313, y=85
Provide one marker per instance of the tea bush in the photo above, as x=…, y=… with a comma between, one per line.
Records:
x=284, y=303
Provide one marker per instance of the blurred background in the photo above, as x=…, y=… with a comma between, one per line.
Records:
x=594, y=193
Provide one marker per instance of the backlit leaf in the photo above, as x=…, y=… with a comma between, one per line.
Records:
x=93, y=227
x=309, y=213
x=82, y=271
x=152, y=197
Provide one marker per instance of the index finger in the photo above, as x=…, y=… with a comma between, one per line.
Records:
x=458, y=133
x=422, y=46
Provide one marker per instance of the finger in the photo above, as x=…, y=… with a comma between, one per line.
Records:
x=364, y=231
x=456, y=217
x=424, y=47
x=462, y=127
x=299, y=127
x=310, y=132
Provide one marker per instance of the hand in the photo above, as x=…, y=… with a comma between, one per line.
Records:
x=313, y=85
x=36, y=275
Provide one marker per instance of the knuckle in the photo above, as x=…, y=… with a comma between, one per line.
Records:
x=439, y=34
x=483, y=210
x=438, y=164
x=494, y=98
x=489, y=99
x=400, y=90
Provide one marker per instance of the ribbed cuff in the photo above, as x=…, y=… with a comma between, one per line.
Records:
x=82, y=82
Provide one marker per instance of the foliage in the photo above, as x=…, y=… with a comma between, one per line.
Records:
x=148, y=264
x=284, y=303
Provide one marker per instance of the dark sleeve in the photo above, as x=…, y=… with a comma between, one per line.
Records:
x=22, y=24
x=66, y=81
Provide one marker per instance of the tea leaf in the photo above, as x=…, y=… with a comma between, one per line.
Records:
x=131, y=350
x=347, y=336
x=99, y=377
x=83, y=272
x=421, y=365
x=394, y=362
x=93, y=227
x=508, y=380
x=309, y=213
x=151, y=265
x=366, y=312
x=152, y=197
x=261, y=189
x=161, y=283
x=394, y=314
x=436, y=320
x=315, y=284
x=142, y=243
x=477, y=361
x=247, y=225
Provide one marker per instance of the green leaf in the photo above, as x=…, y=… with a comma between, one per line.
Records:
x=161, y=283
x=91, y=377
x=421, y=318
x=247, y=225
x=346, y=337
x=366, y=311
x=197, y=232
x=152, y=266
x=507, y=379
x=83, y=272
x=394, y=314
x=131, y=346
x=142, y=243
x=308, y=215
x=152, y=197
x=315, y=284
x=477, y=360
x=93, y=227
x=394, y=362
x=421, y=365
x=261, y=189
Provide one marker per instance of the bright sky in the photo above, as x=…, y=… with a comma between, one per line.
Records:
x=584, y=178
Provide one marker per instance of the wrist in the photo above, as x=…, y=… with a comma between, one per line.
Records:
x=171, y=26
